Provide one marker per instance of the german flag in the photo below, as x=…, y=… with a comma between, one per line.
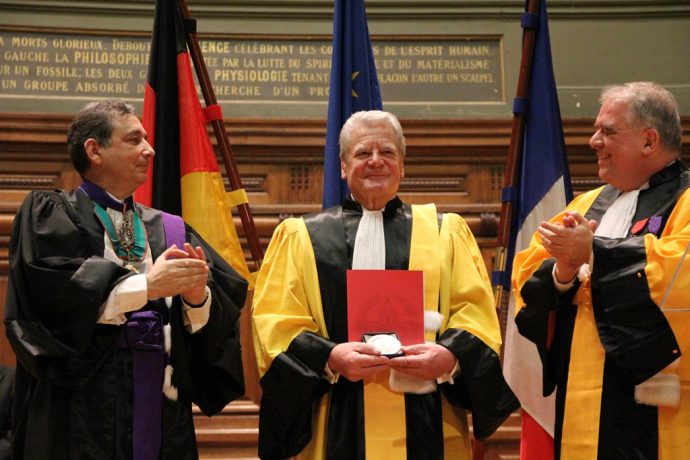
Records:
x=184, y=178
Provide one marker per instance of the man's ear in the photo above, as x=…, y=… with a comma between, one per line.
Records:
x=343, y=170
x=91, y=148
x=651, y=141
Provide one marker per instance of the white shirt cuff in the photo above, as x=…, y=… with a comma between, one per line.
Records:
x=449, y=377
x=582, y=274
x=329, y=375
x=195, y=318
x=128, y=295
x=562, y=287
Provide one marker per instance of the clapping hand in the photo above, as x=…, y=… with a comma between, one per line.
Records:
x=179, y=272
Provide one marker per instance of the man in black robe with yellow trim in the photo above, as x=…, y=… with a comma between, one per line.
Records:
x=327, y=398
x=603, y=290
x=120, y=315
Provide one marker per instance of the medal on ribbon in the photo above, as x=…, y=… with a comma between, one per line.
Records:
x=128, y=239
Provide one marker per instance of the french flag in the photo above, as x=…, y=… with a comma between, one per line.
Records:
x=543, y=191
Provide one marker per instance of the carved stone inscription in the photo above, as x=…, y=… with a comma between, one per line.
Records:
x=72, y=66
x=445, y=70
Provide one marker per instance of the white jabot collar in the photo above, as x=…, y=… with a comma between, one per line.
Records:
x=370, y=244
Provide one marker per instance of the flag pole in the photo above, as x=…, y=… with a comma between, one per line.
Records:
x=512, y=171
x=222, y=140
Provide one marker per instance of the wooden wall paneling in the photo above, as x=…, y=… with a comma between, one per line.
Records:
x=504, y=444
x=234, y=433
x=251, y=371
x=429, y=183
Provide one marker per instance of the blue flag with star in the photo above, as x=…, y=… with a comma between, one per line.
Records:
x=354, y=86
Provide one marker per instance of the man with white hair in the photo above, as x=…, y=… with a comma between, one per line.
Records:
x=325, y=397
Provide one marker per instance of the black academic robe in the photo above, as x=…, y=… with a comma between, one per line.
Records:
x=286, y=302
x=6, y=395
x=608, y=334
x=73, y=392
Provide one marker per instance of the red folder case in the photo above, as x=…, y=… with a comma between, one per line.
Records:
x=386, y=301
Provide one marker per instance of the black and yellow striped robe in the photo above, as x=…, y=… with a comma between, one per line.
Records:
x=300, y=314
x=608, y=331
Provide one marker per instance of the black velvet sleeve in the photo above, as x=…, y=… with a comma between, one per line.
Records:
x=6, y=395
x=480, y=387
x=632, y=328
x=290, y=387
x=55, y=286
x=211, y=360
x=542, y=300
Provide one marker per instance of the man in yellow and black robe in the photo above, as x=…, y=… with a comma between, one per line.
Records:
x=300, y=324
x=603, y=290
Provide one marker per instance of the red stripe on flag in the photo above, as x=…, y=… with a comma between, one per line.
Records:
x=196, y=151
x=144, y=194
x=535, y=442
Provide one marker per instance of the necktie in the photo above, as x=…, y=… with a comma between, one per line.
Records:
x=370, y=245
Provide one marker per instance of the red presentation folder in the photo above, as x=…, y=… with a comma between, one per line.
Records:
x=386, y=301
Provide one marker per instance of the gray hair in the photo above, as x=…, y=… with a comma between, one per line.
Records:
x=94, y=120
x=369, y=118
x=652, y=106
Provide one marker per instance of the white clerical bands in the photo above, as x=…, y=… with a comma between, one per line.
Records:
x=369, y=252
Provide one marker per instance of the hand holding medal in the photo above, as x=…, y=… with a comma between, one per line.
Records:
x=386, y=343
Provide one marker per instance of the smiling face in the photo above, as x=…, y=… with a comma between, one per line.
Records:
x=122, y=165
x=373, y=166
x=622, y=150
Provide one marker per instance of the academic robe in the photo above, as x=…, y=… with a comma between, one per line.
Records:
x=73, y=394
x=608, y=333
x=6, y=395
x=300, y=314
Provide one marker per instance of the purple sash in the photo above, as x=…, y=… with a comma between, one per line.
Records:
x=143, y=336
x=174, y=230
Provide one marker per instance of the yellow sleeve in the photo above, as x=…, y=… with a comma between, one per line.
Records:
x=470, y=301
x=286, y=300
x=664, y=256
x=668, y=273
x=527, y=261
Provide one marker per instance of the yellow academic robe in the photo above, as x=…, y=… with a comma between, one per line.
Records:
x=288, y=317
x=607, y=334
